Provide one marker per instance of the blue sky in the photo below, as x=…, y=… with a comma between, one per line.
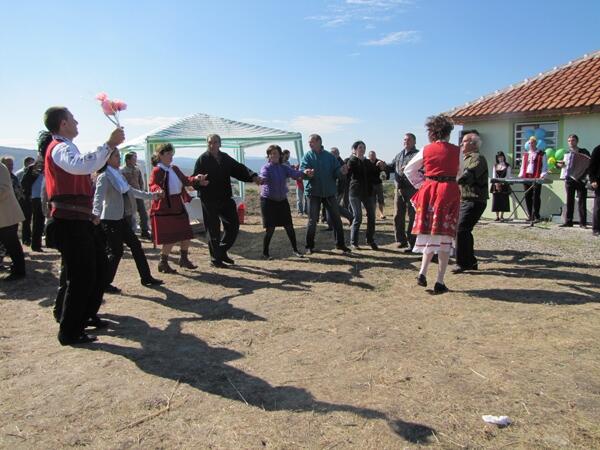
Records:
x=346, y=69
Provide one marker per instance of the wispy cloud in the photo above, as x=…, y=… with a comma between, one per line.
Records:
x=154, y=122
x=371, y=11
x=396, y=37
x=321, y=124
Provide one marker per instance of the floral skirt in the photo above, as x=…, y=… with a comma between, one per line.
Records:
x=437, y=205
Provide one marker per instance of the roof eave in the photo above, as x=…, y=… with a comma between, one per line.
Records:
x=461, y=120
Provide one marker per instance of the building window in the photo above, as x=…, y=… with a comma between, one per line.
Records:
x=545, y=131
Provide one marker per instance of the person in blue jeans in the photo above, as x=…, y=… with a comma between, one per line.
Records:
x=364, y=175
x=321, y=188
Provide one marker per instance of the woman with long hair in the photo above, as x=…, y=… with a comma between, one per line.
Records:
x=434, y=171
x=170, y=220
x=500, y=191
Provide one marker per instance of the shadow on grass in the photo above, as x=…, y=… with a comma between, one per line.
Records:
x=182, y=357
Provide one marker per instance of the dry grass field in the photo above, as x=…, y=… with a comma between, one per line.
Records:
x=331, y=351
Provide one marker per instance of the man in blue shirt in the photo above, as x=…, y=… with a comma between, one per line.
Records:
x=322, y=188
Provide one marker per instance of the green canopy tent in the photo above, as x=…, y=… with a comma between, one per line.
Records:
x=192, y=132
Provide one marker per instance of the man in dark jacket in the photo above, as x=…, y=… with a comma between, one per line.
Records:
x=217, y=201
x=473, y=200
x=404, y=192
x=594, y=172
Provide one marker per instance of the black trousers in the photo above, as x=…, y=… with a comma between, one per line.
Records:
x=216, y=213
x=533, y=199
x=333, y=211
x=82, y=248
x=470, y=213
x=37, y=222
x=596, y=211
x=119, y=232
x=26, y=224
x=10, y=239
x=403, y=208
x=572, y=187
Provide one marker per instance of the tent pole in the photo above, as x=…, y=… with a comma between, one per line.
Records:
x=148, y=163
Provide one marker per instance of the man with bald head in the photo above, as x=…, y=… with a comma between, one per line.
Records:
x=473, y=200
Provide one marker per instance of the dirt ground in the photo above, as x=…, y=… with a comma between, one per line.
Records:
x=331, y=351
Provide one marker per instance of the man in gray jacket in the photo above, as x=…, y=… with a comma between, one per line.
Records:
x=404, y=192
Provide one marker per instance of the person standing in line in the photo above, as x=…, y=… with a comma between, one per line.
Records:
x=437, y=200
x=404, y=192
x=218, y=204
x=25, y=202
x=112, y=201
x=574, y=185
x=533, y=166
x=379, y=197
x=363, y=175
x=10, y=216
x=321, y=189
x=274, y=204
x=594, y=172
x=69, y=189
x=342, y=184
x=33, y=183
x=134, y=177
x=170, y=220
x=500, y=191
x=473, y=184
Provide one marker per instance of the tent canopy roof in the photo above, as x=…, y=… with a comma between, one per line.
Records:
x=192, y=131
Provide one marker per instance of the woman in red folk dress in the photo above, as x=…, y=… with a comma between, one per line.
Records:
x=434, y=171
x=170, y=221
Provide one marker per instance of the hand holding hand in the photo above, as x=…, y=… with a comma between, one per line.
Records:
x=309, y=172
x=117, y=137
x=258, y=180
x=157, y=195
x=201, y=179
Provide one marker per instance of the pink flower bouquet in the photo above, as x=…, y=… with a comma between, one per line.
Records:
x=111, y=108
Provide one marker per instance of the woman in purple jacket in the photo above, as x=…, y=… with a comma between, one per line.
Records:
x=274, y=205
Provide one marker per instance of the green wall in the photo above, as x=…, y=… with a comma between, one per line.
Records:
x=497, y=135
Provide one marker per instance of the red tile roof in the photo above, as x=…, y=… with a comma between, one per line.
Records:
x=570, y=89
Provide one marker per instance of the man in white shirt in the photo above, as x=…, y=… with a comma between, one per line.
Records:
x=73, y=227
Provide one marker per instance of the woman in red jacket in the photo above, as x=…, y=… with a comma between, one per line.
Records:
x=170, y=221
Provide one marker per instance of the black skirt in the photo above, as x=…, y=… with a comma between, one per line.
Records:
x=275, y=213
x=500, y=202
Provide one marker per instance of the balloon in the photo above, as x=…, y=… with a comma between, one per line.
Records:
x=528, y=134
x=527, y=145
x=540, y=133
x=549, y=152
x=552, y=161
x=559, y=154
x=541, y=144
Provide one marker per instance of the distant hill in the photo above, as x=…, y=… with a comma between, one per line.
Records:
x=19, y=154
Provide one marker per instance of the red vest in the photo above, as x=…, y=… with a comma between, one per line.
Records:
x=441, y=159
x=73, y=192
x=537, y=165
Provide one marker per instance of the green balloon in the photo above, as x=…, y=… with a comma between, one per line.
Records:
x=550, y=152
x=559, y=154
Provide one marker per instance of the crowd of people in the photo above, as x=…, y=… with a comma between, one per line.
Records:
x=86, y=204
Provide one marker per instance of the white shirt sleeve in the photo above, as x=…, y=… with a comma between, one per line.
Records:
x=99, y=195
x=412, y=170
x=66, y=155
x=544, y=166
